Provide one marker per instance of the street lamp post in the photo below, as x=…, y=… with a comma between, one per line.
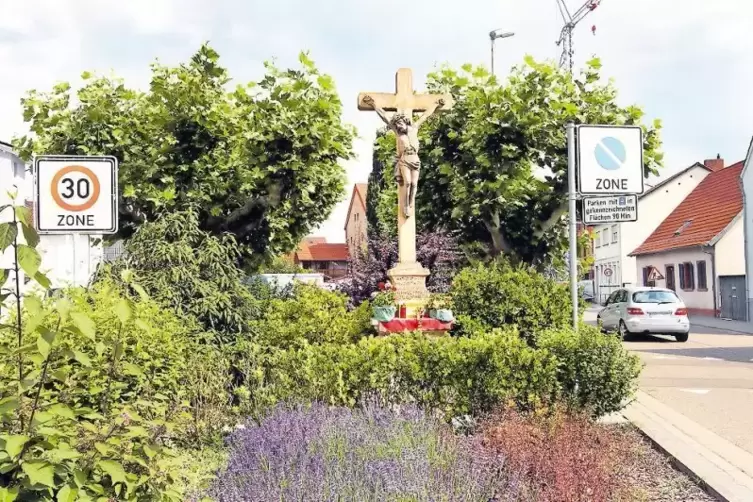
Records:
x=494, y=35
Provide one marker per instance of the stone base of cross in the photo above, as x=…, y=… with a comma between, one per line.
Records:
x=408, y=276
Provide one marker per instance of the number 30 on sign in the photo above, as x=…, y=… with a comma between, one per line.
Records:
x=76, y=195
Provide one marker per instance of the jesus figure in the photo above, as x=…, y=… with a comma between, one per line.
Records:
x=408, y=163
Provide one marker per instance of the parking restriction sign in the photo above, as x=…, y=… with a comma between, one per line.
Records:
x=76, y=194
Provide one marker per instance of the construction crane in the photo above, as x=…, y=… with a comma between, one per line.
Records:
x=566, y=35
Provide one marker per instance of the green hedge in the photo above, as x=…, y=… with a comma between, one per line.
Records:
x=312, y=314
x=455, y=375
x=497, y=294
x=595, y=371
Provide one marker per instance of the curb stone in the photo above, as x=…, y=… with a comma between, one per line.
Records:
x=722, y=469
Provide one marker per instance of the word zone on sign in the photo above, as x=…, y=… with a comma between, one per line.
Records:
x=76, y=194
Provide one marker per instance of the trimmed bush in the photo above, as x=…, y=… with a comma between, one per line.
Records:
x=457, y=376
x=312, y=314
x=318, y=453
x=497, y=294
x=595, y=370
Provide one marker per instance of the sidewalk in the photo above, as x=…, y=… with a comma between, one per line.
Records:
x=725, y=470
x=722, y=324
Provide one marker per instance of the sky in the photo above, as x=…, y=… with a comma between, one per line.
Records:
x=688, y=62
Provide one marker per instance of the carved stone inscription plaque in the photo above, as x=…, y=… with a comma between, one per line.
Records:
x=410, y=287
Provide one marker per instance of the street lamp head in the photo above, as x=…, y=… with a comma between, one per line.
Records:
x=494, y=34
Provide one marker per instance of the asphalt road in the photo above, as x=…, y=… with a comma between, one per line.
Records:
x=709, y=378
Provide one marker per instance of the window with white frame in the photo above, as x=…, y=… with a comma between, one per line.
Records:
x=597, y=240
x=614, y=234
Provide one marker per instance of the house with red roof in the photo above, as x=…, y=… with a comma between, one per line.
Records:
x=698, y=250
x=317, y=255
x=355, y=222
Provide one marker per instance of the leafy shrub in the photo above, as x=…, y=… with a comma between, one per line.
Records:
x=457, y=376
x=497, y=294
x=88, y=417
x=282, y=265
x=561, y=457
x=595, y=370
x=190, y=271
x=311, y=314
x=317, y=453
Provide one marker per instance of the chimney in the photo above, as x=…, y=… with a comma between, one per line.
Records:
x=714, y=165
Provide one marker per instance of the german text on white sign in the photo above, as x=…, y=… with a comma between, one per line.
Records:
x=615, y=209
x=76, y=194
x=610, y=159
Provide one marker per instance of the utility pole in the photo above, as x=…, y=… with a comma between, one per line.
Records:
x=494, y=35
x=571, y=21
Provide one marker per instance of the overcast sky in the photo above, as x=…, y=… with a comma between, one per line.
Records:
x=688, y=62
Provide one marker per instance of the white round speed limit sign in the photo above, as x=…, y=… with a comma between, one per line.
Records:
x=76, y=194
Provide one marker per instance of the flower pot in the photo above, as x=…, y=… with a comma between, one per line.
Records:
x=444, y=315
x=384, y=314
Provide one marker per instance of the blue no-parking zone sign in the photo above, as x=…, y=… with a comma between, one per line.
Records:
x=610, y=159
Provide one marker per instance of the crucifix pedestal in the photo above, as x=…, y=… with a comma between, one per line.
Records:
x=408, y=276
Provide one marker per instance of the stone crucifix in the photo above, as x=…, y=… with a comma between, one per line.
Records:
x=404, y=102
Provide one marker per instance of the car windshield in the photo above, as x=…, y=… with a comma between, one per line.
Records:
x=655, y=297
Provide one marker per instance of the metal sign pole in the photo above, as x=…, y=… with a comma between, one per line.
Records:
x=571, y=197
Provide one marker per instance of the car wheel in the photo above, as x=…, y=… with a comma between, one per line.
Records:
x=600, y=324
x=624, y=333
x=682, y=337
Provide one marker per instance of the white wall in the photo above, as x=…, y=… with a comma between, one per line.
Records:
x=693, y=299
x=653, y=208
x=747, y=182
x=69, y=260
x=730, y=250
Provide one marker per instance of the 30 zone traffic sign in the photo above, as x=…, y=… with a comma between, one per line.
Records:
x=76, y=194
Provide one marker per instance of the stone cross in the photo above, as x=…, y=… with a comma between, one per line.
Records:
x=404, y=101
x=408, y=276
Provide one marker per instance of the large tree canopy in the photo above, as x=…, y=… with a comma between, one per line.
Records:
x=495, y=166
x=262, y=161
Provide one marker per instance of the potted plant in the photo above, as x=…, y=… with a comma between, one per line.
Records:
x=439, y=307
x=383, y=306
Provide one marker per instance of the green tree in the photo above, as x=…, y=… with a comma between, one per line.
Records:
x=262, y=161
x=495, y=166
x=381, y=196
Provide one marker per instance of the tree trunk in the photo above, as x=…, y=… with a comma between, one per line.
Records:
x=499, y=242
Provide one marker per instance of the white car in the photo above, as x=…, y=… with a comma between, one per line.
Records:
x=646, y=310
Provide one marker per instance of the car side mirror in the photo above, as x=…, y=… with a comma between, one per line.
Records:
x=604, y=303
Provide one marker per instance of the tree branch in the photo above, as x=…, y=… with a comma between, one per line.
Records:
x=555, y=217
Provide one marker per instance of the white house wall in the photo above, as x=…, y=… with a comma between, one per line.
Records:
x=730, y=250
x=747, y=182
x=652, y=210
x=697, y=300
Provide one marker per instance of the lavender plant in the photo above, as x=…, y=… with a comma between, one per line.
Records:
x=319, y=454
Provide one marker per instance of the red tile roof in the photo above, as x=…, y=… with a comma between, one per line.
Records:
x=325, y=252
x=704, y=213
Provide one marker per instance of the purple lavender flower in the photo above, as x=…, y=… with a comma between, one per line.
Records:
x=319, y=453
